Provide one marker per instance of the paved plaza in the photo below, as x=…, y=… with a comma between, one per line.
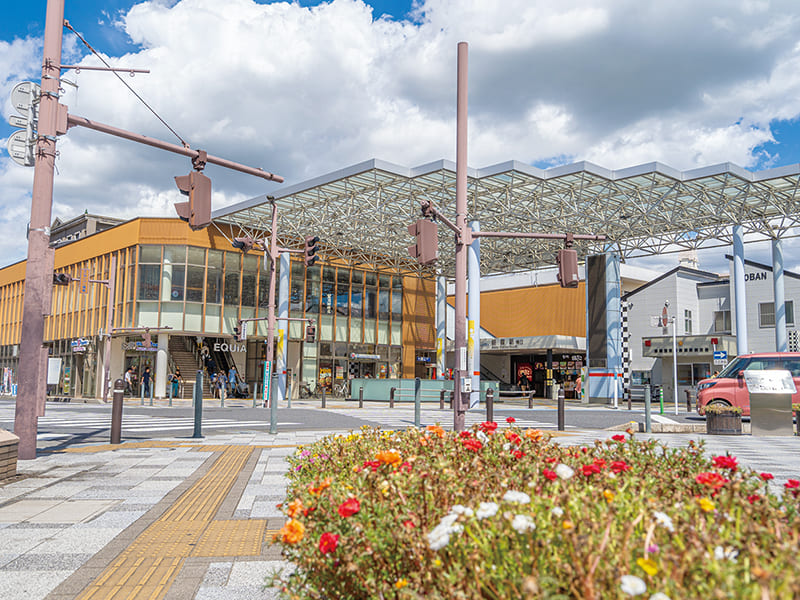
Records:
x=193, y=518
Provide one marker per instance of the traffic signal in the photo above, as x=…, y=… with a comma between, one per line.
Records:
x=426, y=248
x=61, y=279
x=240, y=331
x=197, y=211
x=311, y=333
x=310, y=250
x=567, y=260
x=243, y=243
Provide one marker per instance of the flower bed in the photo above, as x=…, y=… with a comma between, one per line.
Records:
x=506, y=513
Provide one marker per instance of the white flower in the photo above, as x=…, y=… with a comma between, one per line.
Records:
x=458, y=509
x=564, y=471
x=482, y=437
x=486, y=509
x=518, y=497
x=632, y=585
x=557, y=511
x=438, y=538
x=506, y=447
x=659, y=596
x=448, y=520
x=664, y=520
x=522, y=523
x=728, y=552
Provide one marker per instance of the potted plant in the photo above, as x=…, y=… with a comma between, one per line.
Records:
x=722, y=419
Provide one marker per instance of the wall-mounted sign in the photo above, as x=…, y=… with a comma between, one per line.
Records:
x=225, y=347
x=79, y=345
x=424, y=359
x=138, y=347
x=354, y=356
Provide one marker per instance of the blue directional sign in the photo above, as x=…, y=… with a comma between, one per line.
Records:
x=720, y=355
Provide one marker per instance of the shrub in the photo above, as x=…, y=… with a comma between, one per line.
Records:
x=507, y=513
x=722, y=409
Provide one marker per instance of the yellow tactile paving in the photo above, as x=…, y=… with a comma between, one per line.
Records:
x=126, y=446
x=147, y=568
x=232, y=538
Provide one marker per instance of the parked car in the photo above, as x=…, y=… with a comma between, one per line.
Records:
x=729, y=389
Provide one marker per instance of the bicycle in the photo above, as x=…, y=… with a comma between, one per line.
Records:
x=340, y=389
x=305, y=390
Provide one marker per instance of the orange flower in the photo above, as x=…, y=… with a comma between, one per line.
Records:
x=323, y=485
x=295, y=506
x=389, y=457
x=533, y=434
x=292, y=532
x=436, y=430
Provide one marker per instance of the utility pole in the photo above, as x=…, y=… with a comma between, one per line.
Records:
x=38, y=285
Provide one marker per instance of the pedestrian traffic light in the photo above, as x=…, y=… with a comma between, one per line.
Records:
x=240, y=331
x=311, y=333
x=567, y=260
x=426, y=247
x=61, y=279
x=243, y=243
x=310, y=251
x=197, y=211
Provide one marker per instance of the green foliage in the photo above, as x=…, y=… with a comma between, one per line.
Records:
x=722, y=409
x=507, y=513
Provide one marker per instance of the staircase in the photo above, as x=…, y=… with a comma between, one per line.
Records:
x=184, y=359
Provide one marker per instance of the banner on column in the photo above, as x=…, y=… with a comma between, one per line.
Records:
x=267, y=380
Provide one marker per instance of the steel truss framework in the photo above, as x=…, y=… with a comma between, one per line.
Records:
x=361, y=213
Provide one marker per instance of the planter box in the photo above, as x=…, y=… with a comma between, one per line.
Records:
x=723, y=424
x=9, y=444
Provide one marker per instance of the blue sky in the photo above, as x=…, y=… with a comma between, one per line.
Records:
x=304, y=92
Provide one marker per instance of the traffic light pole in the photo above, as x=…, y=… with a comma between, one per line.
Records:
x=38, y=279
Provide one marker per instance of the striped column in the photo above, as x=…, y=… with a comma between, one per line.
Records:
x=626, y=352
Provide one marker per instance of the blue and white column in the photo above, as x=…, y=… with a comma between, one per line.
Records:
x=282, y=326
x=740, y=301
x=613, y=322
x=474, y=319
x=441, y=327
x=781, y=342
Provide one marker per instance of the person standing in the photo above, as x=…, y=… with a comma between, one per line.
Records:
x=146, y=381
x=232, y=380
x=177, y=380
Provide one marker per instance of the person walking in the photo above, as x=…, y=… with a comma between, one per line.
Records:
x=147, y=379
x=231, y=380
x=129, y=381
x=222, y=383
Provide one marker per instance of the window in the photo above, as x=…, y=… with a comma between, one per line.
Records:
x=232, y=266
x=722, y=321
x=793, y=365
x=766, y=313
x=214, y=281
x=687, y=322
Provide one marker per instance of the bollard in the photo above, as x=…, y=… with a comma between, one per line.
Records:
x=323, y=397
x=647, y=400
x=222, y=397
x=688, y=400
x=661, y=399
x=170, y=393
x=152, y=388
x=490, y=405
x=452, y=397
x=255, y=393
x=417, y=400
x=116, y=411
x=616, y=391
x=441, y=399
x=288, y=392
x=530, y=400
x=561, y=409
x=391, y=397
x=361, y=397
x=273, y=407
x=198, y=405
x=141, y=390
x=629, y=394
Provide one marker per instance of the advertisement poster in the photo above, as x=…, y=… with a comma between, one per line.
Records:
x=339, y=372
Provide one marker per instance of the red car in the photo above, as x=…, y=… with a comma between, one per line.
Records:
x=728, y=388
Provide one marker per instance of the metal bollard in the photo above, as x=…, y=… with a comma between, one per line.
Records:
x=441, y=399
x=152, y=386
x=255, y=393
x=391, y=397
x=198, y=405
x=647, y=400
x=561, y=409
x=116, y=411
x=688, y=400
x=452, y=398
x=170, y=393
x=530, y=400
x=361, y=397
x=222, y=397
x=323, y=397
x=490, y=404
x=661, y=399
x=417, y=400
x=141, y=390
x=629, y=393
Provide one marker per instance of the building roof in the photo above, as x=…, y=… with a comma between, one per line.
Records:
x=362, y=212
x=712, y=277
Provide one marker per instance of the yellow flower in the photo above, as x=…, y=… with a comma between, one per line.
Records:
x=437, y=563
x=567, y=525
x=609, y=495
x=649, y=566
x=706, y=504
x=292, y=532
x=401, y=583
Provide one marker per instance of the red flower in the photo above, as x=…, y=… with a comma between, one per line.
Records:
x=510, y=420
x=465, y=434
x=618, y=438
x=408, y=524
x=600, y=463
x=551, y=460
x=725, y=462
x=488, y=427
x=753, y=498
x=405, y=467
x=589, y=470
x=472, y=444
x=513, y=437
x=349, y=507
x=767, y=476
x=551, y=475
x=619, y=466
x=309, y=510
x=792, y=484
x=584, y=449
x=328, y=542
x=712, y=480
x=518, y=454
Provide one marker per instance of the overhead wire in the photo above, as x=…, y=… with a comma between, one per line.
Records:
x=150, y=108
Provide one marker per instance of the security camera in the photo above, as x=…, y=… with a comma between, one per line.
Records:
x=666, y=302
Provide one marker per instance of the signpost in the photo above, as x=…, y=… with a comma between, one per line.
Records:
x=720, y=357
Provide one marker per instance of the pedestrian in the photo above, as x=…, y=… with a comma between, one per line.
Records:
x=232, y=379
x=146, y=381
x=578, y=387
x=214, y=385
x=177, y=380
x=222, y=383
x=129, y=381
x=523, y=382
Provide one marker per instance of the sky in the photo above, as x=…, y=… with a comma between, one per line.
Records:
x=305, y=88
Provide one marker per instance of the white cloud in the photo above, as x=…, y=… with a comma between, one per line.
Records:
x=303, y=91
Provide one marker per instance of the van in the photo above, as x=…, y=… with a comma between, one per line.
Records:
x=729, y=389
